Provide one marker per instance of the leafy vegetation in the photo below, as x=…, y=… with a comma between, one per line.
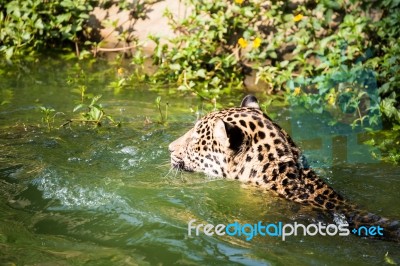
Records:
x=207, y=57
x=28, y=26
x=327, y=51
x=341, y=57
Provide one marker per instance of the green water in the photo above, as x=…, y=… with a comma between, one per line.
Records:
x=83, y=196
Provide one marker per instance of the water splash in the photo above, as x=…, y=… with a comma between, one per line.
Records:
x=72, y=195
x=340, y=219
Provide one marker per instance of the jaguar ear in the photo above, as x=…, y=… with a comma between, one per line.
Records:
x=228, y=135
x=250, y=101
x=220, y=133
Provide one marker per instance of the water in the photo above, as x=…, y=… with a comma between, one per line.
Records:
x=84, y=196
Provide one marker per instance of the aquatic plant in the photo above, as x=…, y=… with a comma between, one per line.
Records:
x=163, y=118
x=93, y=110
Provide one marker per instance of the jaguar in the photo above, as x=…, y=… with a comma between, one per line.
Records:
x=243, y=143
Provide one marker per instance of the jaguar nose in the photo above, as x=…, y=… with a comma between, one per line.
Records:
x=180, y=165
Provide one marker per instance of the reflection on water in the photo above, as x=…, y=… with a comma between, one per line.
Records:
x=107, y=196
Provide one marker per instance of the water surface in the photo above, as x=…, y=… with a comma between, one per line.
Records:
x=106, y=196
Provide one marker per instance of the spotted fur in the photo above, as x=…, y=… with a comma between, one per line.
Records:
x=245, y=144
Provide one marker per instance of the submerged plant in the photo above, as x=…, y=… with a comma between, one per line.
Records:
x=163, y=118
x=48, y=116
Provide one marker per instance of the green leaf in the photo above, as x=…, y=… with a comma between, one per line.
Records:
x=201, y=73
x=284, y=63
x=67, y=4
x=273, y=55
x=79, y=106
x=39, y=24
x=9, y=52
x=328, y=16
x=63, y=18
x=389, y=260
x=290, y=84
x=96, y=113
x=95, y=99
x=248, y=13
x=26, y=36
x=215, y=60
x=175, y=67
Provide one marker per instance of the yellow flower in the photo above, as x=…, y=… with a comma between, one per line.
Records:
x=332, y=100
x=331, y=97
x=256, y=42
x=297, y=91
x=298, y=18
x=120, y=71
x=242, y=42
x=239, y=2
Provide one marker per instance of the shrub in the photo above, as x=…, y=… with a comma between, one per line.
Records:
x=28, y=26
